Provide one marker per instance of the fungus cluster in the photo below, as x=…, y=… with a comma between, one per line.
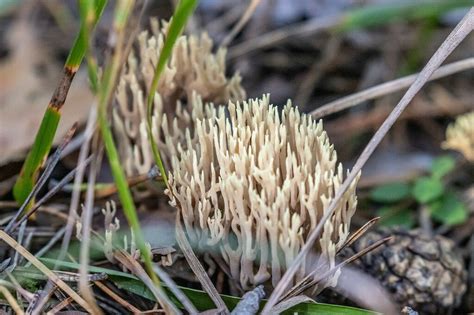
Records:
x=192, y=69
x=249, y=181
x=253, y=186
x=460, y=136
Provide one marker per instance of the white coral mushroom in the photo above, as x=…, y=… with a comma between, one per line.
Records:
x=254, y=184
x=460, y=136
x=192, y=69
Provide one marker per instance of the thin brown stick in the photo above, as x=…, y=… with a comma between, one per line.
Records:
x=58, y=307
x=242, y=21
x=452, y=41
x=41, y=267
x=387, y=88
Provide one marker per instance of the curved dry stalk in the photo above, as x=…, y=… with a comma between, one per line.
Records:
x=463, y=29
x=242, y=21
x=41, y=267
x=387, y=88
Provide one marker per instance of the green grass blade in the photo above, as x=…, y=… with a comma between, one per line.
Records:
x=183, y=11
x=402, y=11
x=79, y=49
x=37, y=155
x=47, y=130
x=111, y=72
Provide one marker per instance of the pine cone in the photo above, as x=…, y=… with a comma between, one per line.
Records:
x=419, y=270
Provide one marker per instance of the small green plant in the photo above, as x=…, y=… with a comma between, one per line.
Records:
x=399, y=199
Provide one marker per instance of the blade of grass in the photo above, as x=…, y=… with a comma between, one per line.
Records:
x=461, y=31
x=47, y=130
x=51, y=164
x=183, y=11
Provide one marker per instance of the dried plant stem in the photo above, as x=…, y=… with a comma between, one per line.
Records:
x=388, y=87
x=370, y=15
x=242, y=21
x=197, y=267
x=310, y=280
x=131, y=264
x=11, y=300
x=86, y=220
x=117, y=298
x=357, y=234
x=41, y=267
x=58, y=307
x=52, y=162
x=452, y=41
x=78, y=179
x=187, y=304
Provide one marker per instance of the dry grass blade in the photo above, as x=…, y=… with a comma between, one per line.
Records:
x=310, y=281
x=361, y=231
x=188, y=305
x=242, y=21
x=11, y=300
x=197, y=267
x=452, y=41
x=51, y=193
x=41, y=267
x=86, y=222
x=78, y=179
x=131, y=264
x=388, y=87
x=275, y=37
x=43, y=178
x=58, y=307
x=117, y=298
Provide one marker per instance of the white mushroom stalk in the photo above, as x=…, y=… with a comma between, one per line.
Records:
x=250, y=184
